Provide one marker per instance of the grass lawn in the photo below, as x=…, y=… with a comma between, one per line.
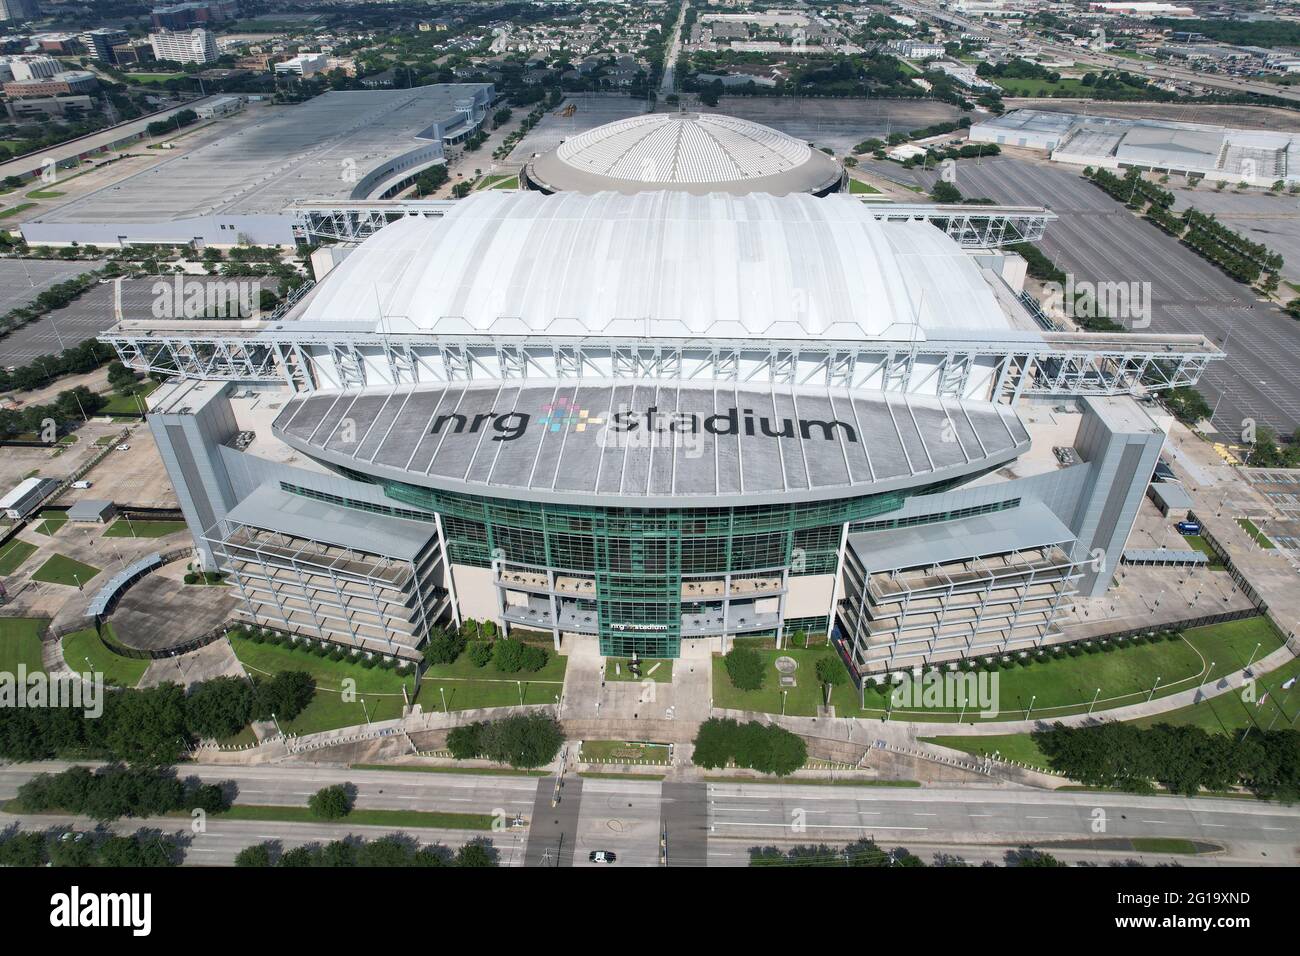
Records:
x=82, y=646
x=49, y=521
x=1018, y=747
x=1200, y=544
x=1229, y=712
x=13, y=554
x=510, y=182
x=1256, y=535
x=380, y=689
x=463, y=667
x=1030, y=87
x=618, y=751
x=857, y=188
x=151, y=77
x=128, y=404
x=475, y=771
x=20, y=643
x=121, y=528
x=1066, y=685
x=15, y=210
x=61, y=569
x=661, y=672
x=402, y=819
x=801, y=700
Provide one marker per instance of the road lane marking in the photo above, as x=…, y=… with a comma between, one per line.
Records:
x=817, y=826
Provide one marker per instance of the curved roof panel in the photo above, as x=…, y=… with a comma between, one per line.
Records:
x=651, y=442
x=694, y=152
x=659, y=265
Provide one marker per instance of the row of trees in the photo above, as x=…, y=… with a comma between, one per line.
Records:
x=766, y=748
x=117, y=791
x=83, y=850
x=151, y=726
x=397, y=850
x=867, y=853
x=1183, y=760
x=69, y=407
x=77, y=359
x=507, y=656
x=525, y=740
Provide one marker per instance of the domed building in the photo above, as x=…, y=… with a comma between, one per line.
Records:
x=695, y=153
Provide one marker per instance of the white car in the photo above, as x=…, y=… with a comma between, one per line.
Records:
x=81, y=484
x=123, y=447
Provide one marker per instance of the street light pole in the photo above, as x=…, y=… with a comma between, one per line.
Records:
x=1094, y=700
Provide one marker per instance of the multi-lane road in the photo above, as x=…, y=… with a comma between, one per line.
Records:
x=694, y=822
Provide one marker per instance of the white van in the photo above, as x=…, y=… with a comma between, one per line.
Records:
x=81, y=484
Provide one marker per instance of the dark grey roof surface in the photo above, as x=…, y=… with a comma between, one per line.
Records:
x=577, y=443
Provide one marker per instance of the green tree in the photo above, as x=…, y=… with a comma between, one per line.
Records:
x=330, y=803
x=251, y=856
x=744, y=668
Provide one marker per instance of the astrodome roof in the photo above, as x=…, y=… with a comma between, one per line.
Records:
x=691, y=152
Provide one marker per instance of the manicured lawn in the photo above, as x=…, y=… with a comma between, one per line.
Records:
x=1256, y=535
x=121, y=528
x=1229, y=712
x=1066, y=685
x=61, y=569
x=402, y=819
x=20, y=643
x=856, y=188
x=128, y=404
x=13, y=554
x=151, y=77
x=510, y=182
x=1017, y=747
x=16, y=210
x=618, y=751
x=1030, y=87
x=463, y=667
x=44, y=194
x=661, y=672
x=461, y=694
x=801, y=700
x=48, y=521
x=1200, y=544
x=380, y=689
x=85, y=648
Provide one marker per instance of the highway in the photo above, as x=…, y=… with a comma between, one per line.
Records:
x=719, y=822
x=741, y=816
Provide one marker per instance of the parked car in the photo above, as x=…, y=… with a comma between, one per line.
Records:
x=81, y=484
x=123, y=447
x=602, y=856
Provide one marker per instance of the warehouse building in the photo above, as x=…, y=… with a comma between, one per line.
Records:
x=341, y=145
x=1217, y=153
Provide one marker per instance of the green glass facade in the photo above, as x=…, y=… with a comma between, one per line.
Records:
x=637, y=556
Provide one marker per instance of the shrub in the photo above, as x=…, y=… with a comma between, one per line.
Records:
x=191, y=578
x=480, y=653
x=830, y=670
x=444, y=647
x=533, y=658
x=508, y=655
x=744, y=668
x=528, y=740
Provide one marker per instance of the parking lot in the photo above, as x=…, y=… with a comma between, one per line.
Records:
x=838, y=123
x=1096, y=239
x=590, y=111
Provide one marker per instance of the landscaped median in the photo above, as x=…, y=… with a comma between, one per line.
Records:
x=1059, y=682
x=405, y=819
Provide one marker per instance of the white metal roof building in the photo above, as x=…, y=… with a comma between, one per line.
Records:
x=606, y=265
x=644, y=418
x=1255, y=157
x=689, y=152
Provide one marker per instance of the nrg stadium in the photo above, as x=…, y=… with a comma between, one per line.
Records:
x=670, y=408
